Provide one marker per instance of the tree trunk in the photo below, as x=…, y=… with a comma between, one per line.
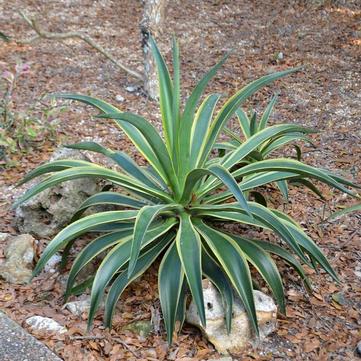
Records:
x=152, y=22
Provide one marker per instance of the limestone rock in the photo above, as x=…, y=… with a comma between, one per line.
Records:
x=241, y=332
x=78, y=307
x=49, y=211
x=39, y=323
x=142, y=328
x=19, y=253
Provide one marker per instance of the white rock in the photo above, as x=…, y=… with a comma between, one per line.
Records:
x=241, y=333
x=131, y=89
x=119, y=98
x=19, y=253
x=78, y=307
x=54, y=260
x=39, y=323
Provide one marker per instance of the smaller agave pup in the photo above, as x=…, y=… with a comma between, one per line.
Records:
x=170, y=208
x=250, y=126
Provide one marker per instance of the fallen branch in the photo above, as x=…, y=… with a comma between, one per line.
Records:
x=43, y=34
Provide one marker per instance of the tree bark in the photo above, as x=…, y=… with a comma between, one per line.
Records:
x=152, y=22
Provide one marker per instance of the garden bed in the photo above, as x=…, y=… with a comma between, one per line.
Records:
x=325, y=95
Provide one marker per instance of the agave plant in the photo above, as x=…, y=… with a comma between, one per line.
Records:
x=170, y=208
x=250, y=126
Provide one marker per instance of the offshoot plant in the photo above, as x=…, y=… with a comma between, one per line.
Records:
x=250, y=125
x=169, y=209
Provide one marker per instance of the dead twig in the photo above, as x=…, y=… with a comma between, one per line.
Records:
x=43, y=34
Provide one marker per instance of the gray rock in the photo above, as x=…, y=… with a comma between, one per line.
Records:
x=241, y=333
x=131, y=89
x=18, y=345
x=78, y=307
x=19, y=253
x=142, y=328
x=48, y=212
x=39, y=323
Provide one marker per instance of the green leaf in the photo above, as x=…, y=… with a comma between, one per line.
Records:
x=122, y=281
x=170, y=282
x=253, y=123
x=283, y=187
x=264, y=218
x=91, y=251
x=100, y=244
x=200, y=129
x=110, y=265
x=235, y=140
x=265, y=266
x=282, y=165
x=92, y=171
x=244, y=122
x=55, y=166
x=234, y=102
x=176, y=92
x=233, y=261
x=82, y=287
x=266, y=114
x=251, y=183
x=258, y=139
x=221, y=173
x=291, y=165
x=307, y=243
x=182, y=303
x=285, y=255
x=108, y=198
x=191, y=105
x=144, y=219
x=276, y=143
x=215, y=274
x=130, y=130
x=120, y=158
x=165, y=95
x=189, y=251
x=154, y=140
x=80, y=227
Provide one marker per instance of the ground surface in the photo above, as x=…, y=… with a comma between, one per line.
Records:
x=325, y=39
x=17, y=345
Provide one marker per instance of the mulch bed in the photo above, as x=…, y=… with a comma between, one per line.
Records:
x=324, y=37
